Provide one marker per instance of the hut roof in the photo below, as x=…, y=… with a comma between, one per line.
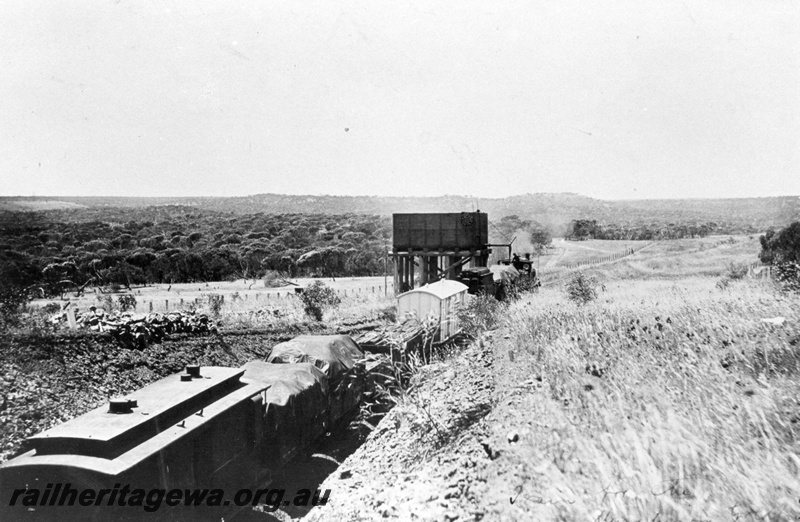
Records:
x=441, y=289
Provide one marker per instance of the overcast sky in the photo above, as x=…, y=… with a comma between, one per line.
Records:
x=610, y=99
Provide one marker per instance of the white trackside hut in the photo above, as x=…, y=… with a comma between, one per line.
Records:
x=438, y=300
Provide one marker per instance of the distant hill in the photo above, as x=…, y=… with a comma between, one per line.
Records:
x=555, y=210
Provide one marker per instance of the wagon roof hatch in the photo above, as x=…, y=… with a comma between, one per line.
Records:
x=100, y=433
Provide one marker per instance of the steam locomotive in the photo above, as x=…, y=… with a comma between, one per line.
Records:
x=209, y=428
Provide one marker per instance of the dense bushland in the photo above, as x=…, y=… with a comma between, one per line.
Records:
x=734, y=216
x=57, y=251
x=591, y=229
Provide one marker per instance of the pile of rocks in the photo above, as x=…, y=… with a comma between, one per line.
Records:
x=139, y=330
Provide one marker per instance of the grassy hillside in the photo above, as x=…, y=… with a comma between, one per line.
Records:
x=667, y=399
x=674, y=259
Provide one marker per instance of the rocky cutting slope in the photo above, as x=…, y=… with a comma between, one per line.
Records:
x=427, y=459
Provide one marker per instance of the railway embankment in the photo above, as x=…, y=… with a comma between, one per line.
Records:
x=427, y=458
x=661, y=399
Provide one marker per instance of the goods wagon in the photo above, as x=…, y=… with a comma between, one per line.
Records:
x=208, y=428
x=439, y=301
x=336, y=356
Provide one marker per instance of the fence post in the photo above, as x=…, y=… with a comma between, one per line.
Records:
x=151, y=307
x=166, y=304
x=73, y=324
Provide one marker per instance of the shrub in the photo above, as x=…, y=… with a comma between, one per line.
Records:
x=782, y=246
x=582, y=288
x=51, y=308
x=482, y=312
x=215, y=302
x=105, y=302
x=273, y=279
x=316, y=297
x=126, y=302
x=515, y=289
x=788, y=276
x=736, y=271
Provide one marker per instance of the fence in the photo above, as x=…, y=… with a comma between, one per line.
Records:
x=265, y=298
x=558, y=275
x=598, y=260
x=759, y=271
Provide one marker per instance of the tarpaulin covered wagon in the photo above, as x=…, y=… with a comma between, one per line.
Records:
x=296, y=408
x=337, y=356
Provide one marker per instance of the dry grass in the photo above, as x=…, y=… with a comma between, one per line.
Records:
x=674, y=259
x=566, y=252
x=240, y=295
x=660, y=401
x=679, y=258
x=359, y=306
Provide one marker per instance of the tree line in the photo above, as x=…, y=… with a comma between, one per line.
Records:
x=56, y=251
x=581, y=229
x=47, y=253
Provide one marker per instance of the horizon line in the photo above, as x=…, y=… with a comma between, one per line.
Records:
x=484, y=198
